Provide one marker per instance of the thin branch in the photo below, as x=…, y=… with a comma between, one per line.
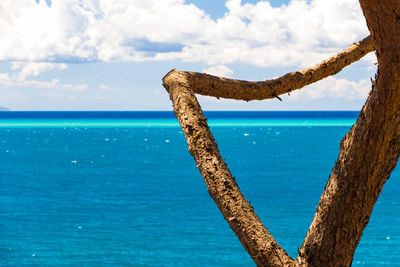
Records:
x=237, y=211
x=209, y=85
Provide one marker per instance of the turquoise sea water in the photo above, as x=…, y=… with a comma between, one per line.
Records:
x=120, y=188
x=167, y=119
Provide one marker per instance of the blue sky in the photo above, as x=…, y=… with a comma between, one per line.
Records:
x=112, y=55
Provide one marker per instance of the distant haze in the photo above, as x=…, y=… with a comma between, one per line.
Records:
x=4, y=109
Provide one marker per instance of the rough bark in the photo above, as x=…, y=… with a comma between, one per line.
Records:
x=253, y=235
x=205, y=84
x=368, y=153
x=237, y=211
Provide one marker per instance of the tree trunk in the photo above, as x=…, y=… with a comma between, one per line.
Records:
x=368, y=153
x=253, y=235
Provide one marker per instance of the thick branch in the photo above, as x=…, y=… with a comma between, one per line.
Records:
x=182, y=86
x=368, y=153
x=222, y=187
x=209, y=85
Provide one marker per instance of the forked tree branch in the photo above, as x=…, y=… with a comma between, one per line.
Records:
x=222, y=187
x=209, y=85
x=237, y=211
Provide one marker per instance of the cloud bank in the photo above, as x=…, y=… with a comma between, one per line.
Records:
x=301, y=32
x=39, y=36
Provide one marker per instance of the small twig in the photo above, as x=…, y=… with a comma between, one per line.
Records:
x=275, y=95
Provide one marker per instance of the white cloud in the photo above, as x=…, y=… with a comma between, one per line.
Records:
x=300, y=33
x=219, y=70
x=27, y=69
x=87, y=30
x=334, y=88
x=51, y=94
x=38, y=38
x=7, y=81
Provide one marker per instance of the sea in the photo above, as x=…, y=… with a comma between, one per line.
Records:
x=121, y=189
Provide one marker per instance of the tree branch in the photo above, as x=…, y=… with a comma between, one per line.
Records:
x=237, y=211
x=253, y=235
x=209, y=85
x=368, y=153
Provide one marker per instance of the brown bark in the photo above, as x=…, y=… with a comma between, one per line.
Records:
x=368, y=153
x=205, y=84
x=253, y=235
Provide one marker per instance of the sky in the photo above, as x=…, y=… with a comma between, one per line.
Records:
x=112, y=54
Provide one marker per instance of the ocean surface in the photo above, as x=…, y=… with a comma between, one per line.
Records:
x=121, y=189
